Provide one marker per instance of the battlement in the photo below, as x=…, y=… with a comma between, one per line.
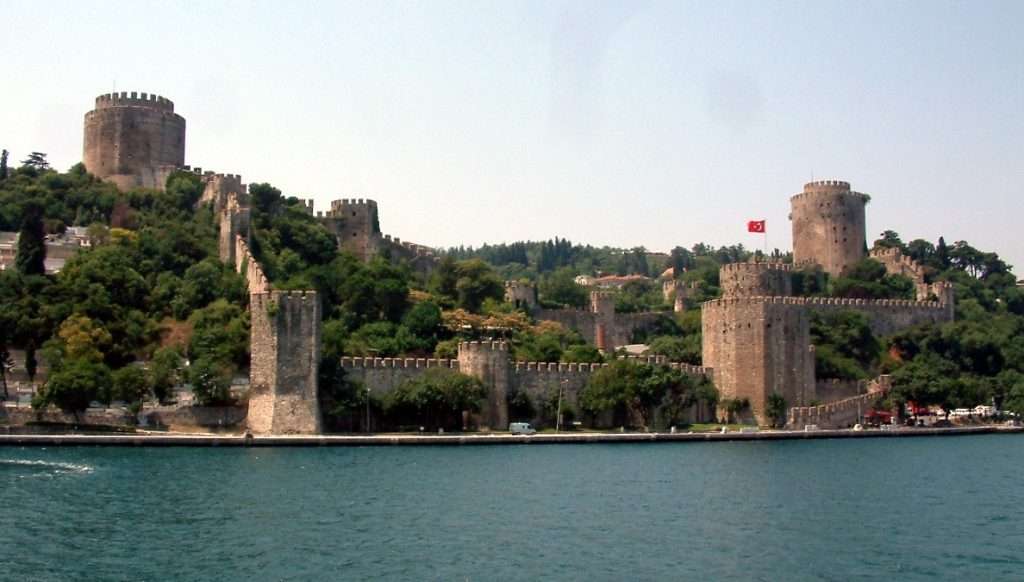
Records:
x=820, y=302
x=134, y=99
x=412, y=363
x=338, y=205
x=827, y=185
x=756, y=267
x=483, y=347
x=811, y=196
x=840, y=413
x=294, y=295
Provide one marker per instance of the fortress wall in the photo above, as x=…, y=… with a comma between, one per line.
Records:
x=761, y=345
x=840, y=414
x=490, y=362
x=896, y=263
x=246, y=264
x=285, y=346
x=886, y=316
x=382, y=375
x=833, y=390
x=219, y=189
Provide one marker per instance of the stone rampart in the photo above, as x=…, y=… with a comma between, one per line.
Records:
x=245, y=263
x=490, y=362
x=842, y=413
x=832, y=390
x=285, y=348
x=219, y=189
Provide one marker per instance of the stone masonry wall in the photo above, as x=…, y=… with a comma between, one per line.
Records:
x=133, y=140
x=285, y=346
x=490, y=362
x=828, y=226
x=842, y=413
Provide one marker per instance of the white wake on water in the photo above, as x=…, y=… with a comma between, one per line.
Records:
x=40, y=467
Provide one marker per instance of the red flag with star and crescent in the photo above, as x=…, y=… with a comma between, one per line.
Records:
x=755, y=226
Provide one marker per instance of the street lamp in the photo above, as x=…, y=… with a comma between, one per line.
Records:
x=558, y=414
x=367, y=408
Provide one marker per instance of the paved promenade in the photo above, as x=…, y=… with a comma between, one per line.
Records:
x=210, y=440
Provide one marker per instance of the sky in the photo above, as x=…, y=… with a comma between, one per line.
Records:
x=639, y=123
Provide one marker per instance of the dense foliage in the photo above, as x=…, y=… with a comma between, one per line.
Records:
x=149, y=283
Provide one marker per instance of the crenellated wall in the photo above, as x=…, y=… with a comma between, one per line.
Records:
x=842, y=413
x=490, y=361
x=761, y=345
x=219, y=189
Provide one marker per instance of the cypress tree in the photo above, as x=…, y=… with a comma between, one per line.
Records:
x=31, y=256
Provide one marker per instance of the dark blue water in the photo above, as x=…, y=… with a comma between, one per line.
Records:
x=907, y=509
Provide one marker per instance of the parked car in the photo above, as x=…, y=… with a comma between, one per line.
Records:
x=521, y=428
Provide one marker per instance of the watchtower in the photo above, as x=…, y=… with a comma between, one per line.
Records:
x=522, y=295
x=828, y=226
x=356, y=225
x=755, y=279
x=602, y=305
x=133, y=140
x=489, y=361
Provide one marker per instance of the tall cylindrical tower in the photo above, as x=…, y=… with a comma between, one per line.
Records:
x=133, y=140
x=828, y=226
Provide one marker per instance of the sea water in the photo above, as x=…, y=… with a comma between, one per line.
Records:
x=893, y=508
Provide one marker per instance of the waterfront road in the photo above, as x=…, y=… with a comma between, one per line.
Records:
x=214, y=440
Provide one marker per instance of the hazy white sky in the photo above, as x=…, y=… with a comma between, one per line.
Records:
x=633, y=123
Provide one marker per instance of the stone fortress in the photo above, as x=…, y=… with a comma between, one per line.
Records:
x=756, y=337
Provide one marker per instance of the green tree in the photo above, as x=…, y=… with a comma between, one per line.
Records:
x=31, y=254
x=76, y=384
x=3, y=165
x=129, y=384
x=164, y=371
x=37, y=161
x=775, y=409
x=560, y=288
x=211, y=381
x=476, y=283
x=435, y=399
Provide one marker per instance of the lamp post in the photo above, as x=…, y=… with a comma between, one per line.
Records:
x=558, y=413
x=367, y=409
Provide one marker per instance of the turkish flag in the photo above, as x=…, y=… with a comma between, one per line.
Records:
x=755, y=226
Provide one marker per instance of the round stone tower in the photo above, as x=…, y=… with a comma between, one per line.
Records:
x=133, y=140
x=755, y=280
x=828, y=226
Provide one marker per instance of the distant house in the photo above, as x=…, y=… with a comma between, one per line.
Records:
x=59, y=248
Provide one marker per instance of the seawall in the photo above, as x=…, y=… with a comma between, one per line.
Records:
x=145, y=440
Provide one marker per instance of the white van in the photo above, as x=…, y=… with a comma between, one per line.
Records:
x=521, y=428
